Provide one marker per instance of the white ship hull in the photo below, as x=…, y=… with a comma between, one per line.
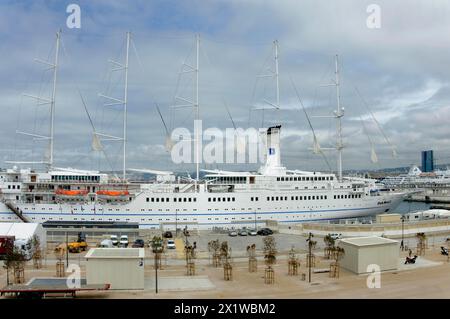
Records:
x=202, y=215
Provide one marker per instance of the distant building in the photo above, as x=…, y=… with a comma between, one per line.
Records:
x=427, y=161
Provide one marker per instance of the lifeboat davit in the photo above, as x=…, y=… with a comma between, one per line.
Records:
x=112, y=193
x=71, y=192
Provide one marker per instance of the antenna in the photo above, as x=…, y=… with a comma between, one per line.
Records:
x=114, y=101
x=42, y=101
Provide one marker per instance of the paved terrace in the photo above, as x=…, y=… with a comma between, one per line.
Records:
x=428, y=278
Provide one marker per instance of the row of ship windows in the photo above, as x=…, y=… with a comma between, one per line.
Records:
x=81, y=178
x=305, y=178
x=160, y=219
x=190, y=199
x=224, y=199
x=13, y=186
x=279, y=198
x=232, y=199
x=347, y=196
x=167, y=199
x=253, y=199
x=104, y=209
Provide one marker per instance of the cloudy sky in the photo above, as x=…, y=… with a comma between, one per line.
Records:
x=401, y=71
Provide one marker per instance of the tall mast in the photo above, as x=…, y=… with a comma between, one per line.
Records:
x=192, y=102
x=125, y=102
x=339, y=113
x=275, y=43
x=52, y=107
x=273, y=74
x=196, y=105
x=48, y=161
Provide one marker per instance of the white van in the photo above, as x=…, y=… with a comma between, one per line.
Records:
x=123, y=241
x=114, y=240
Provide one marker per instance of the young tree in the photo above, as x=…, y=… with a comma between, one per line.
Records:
x=213, y=248
x=225, y=251
x=37, y=252
x=9, y=259
x=338, y=253
x=329, y=245
x=270, y=250
x=15, y=259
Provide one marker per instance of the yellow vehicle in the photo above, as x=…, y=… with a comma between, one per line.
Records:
x=79, y=245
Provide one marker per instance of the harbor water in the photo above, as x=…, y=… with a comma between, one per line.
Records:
x=407, y=206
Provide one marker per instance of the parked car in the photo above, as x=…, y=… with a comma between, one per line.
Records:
x=167, y=234
x=123, y=241
x=252, y=232
x=232, y=233
x=106, y=243
x=243, y=232
x=336, y=236
x=114, y=239
x=138, y=243
x=171, y=244
x=265, y=232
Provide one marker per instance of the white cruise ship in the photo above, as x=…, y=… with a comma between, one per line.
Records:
x=221, y=199
x=415, y=178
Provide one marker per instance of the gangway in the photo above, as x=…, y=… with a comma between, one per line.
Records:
x=16, y=211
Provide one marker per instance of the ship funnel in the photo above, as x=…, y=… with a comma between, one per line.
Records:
x=271, y=137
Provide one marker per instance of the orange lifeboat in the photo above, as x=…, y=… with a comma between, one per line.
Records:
x=71, y=192
x=113, y=193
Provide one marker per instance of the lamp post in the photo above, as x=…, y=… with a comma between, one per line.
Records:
x=67, y=250
x=157, y=245
x=402, y=245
